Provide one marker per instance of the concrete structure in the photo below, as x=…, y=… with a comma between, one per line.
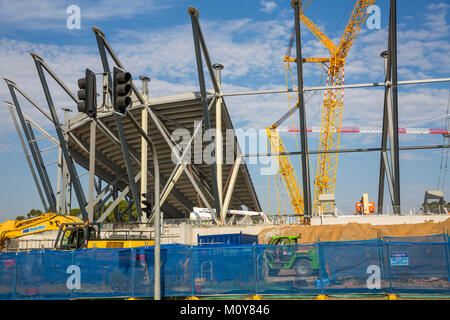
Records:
x=379, y=219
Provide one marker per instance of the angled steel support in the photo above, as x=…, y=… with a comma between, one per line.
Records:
x=27, y=156
x=176, y=193
x=159, y=125
x=302, y=116
x=30, y=122
x=42, y=172
x=201, y=79
x=116, y=201
x=176, y=173
x=130, y=171
x=123, y=141
x=70, y=164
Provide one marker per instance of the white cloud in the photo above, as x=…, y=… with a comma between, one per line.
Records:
x=268, y=6
x=51, y=15
x=251, y=52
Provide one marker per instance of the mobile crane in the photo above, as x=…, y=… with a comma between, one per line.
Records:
x=325, y=180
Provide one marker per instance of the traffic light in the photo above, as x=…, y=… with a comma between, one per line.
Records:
x=147, y=204
x=122, y=85
x=87, y=95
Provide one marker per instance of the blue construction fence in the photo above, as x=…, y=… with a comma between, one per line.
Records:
x=381, y=266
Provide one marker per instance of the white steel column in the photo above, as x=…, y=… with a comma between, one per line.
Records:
x=219, y=136
x=92, y=139
x=234, y=173
x=144, y=145
x=65, y=175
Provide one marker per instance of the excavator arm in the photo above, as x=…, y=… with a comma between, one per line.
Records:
x=19, y=228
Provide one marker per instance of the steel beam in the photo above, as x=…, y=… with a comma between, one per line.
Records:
x=123, y=141
x=42, y=172
x=116, y=201
x=72, y=170
x=219, y=137
x=92, y=141
x=302, y=117
x=394, y=96
x=345, y=86
x=201, y=79
x=384, y=132
x=64, y=165
x=102, y=44
x=27, y=156
x=144, y=144
x=436, y=146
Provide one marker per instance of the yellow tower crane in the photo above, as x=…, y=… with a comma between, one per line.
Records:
x=325, y=180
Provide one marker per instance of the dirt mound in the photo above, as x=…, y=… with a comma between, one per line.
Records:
x=354, y=231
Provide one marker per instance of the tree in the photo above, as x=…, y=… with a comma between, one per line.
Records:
x=34, y=213
x=20, y=218
x=76, y=212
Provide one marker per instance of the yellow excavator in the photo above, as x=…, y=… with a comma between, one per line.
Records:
x=73, y=233
x=13, y=229
x=73, y=236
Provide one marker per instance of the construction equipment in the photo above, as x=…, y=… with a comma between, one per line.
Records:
x=364, y=206
x=74, y=236
x=285, y=255
x=13, y=229
x=287, y=172
x=331, y=113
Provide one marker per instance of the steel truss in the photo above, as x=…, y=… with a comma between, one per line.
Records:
x=123, y=184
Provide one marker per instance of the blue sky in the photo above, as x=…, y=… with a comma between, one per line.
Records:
x=249, y=38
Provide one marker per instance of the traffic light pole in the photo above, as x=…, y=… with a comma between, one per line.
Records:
x=102, y=44
x=157, y=224
x=123, y=142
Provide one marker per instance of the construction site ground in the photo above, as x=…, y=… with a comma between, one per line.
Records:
x=353, y=231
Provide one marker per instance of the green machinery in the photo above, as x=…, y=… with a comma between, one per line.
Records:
x=286, y=255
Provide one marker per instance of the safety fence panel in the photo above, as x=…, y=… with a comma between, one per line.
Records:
x=220, y=270
x=352, y=267
x=371, y=266
x=105, y=273
x=418, y=267
x=287, y=270
x=437, y=238
x=8, y=263
x=42, y=275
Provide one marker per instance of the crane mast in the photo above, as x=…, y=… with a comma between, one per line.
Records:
x=333, y=102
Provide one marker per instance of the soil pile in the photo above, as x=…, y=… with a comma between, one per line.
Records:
x=353, y=231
